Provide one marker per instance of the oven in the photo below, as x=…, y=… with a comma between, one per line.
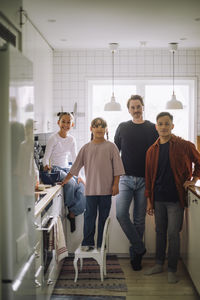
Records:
x=45, y=228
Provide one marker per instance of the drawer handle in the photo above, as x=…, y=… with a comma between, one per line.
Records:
x=49, y=282
x=37, y=255
x=37, y=283
x=195, y=201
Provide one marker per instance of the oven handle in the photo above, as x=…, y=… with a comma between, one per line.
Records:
x=48, y=229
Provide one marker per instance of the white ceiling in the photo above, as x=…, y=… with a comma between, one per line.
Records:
x=96, y=23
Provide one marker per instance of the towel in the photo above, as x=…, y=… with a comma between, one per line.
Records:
x=60, y=243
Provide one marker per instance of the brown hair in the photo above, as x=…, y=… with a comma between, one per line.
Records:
x=135, y=97
x=61, y=114
x=96, y=122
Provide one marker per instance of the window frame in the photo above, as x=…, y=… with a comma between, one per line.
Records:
x=141, y=82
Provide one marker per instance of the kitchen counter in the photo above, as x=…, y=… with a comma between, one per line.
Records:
x=190, y=240
x=50, y=193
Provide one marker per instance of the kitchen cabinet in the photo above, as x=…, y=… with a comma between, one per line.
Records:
x=10, y=11
x=40, y=53
x=47, y=267
x=191, y=246
x=118, y=242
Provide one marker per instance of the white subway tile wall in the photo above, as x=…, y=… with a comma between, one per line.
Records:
x=73, y=68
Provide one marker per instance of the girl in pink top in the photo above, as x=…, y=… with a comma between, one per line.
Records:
x=103, y=167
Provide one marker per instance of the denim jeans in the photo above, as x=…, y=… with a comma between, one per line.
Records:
x=74, y=197
x=94, y=204
x=132, y=189
x=168, y=219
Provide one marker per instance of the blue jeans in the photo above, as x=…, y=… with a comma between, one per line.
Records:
x=74, y=197
x=168, y=219
x=94, y=204
x=132, y=188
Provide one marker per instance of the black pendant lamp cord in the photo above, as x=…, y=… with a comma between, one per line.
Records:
x=173, y=69
x=113, y=72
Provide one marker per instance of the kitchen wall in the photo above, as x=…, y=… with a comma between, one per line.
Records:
x=73, y=68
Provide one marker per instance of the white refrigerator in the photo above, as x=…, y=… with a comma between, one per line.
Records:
x=17, y=265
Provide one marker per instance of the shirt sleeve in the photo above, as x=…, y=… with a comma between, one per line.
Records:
x=148, y=174
x=48, y=151
x=78, y=163
x=73, y=150
x=195, y=158
x=117, y=162
x=117, y=139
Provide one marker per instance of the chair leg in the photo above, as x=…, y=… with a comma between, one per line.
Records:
x=75, y=268
x=101, y=271
x=104, y=264
x=81, y=263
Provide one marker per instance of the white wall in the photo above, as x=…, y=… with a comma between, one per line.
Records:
x=73, y=68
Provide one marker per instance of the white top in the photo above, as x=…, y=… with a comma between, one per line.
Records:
x=101, y=163
x=58, y=150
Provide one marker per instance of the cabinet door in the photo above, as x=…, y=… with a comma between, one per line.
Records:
x=193, y=239
x=118, y=242
x=58, y=204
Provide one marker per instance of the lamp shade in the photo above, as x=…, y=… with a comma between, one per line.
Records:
x=112, y=105
x=174, y=103
x=29, y=107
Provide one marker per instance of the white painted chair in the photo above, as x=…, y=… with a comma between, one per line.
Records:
x=98, y=254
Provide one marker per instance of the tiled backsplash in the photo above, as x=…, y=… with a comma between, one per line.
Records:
x=73, y=68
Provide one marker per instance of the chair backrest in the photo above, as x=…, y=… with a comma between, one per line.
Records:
x=105, y=234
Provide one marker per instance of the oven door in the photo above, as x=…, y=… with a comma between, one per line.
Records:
x=48, y=246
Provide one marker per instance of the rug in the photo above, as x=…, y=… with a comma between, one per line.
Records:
x=89, y=282
x=64, y=297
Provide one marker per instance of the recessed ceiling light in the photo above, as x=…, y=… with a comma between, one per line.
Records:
x=51, y=20
x=63, y=40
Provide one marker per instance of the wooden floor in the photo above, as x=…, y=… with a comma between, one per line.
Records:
x=156, y=287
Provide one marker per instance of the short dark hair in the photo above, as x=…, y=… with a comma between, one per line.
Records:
x=163, y=114
x=135, y=97
x=61, y=114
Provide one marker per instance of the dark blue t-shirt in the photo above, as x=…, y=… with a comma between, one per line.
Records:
x=165, y=188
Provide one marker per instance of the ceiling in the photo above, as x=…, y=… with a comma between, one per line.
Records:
x=96, y=23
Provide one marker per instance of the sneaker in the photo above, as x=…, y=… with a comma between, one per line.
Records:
x=154, y=270
x=136, y=262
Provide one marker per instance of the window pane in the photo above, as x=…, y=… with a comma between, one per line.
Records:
x=102, y=95
x=156, y=97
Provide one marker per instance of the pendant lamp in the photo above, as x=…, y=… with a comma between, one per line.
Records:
x=173, y=103
x=112, y=105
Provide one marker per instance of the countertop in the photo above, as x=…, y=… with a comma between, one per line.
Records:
x=50, y=193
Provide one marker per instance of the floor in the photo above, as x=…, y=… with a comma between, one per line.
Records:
x=141, y=287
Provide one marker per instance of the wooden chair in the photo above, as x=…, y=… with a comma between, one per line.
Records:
x=98, y=254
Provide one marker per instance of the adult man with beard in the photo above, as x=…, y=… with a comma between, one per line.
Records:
x=133, y=138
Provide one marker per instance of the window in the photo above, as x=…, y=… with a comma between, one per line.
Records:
x=155, y=92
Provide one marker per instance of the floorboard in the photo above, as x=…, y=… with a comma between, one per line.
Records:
x=155, y=287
